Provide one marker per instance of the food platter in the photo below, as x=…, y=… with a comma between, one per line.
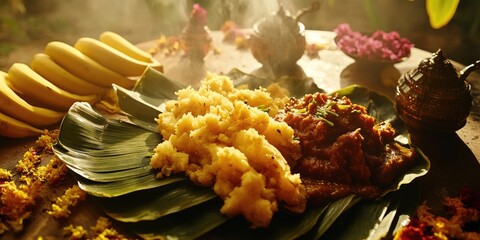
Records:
x=125, y=186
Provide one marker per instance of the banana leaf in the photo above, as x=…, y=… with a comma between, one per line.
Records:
x=333, y=212
x=84, y=168
x=159, y=201
x=144, y=103
x=126, y=186
x=154, y=87
x=111, y=158
x=283, y=226
x=132, y=104
x=98, y=139
x=191, y=223
x=105, y=177
x=382, y=214
x=98, y=149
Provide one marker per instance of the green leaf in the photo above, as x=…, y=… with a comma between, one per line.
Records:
x=122, y=187
x=155, y=203
x=92, y=143
x=287, y=226
x=189, y=224
x=359, y=221
x=154, y=87
x=138, y=111
x=335, y=209
x=375, y=219
x=440, y=12
x=144, y=103
x=283, y=226
x=95, y=170
x=112, y=159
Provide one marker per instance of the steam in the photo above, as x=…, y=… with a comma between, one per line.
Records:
x=243, y=12
x=135, y=20
x=149, y=19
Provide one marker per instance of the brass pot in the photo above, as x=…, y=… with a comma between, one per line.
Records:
x=433, y=96
x=280, y=49
x=278, y=41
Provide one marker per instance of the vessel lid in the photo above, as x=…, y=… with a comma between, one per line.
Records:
x=438, y=72
x=278, y=24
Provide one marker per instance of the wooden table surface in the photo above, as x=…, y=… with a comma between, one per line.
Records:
x=454, y=156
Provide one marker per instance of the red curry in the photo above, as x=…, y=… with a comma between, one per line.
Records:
x=344, y=150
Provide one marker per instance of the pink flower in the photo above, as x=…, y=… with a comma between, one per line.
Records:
x=199, y=15
x=389, y=46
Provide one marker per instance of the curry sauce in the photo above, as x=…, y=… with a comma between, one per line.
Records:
x=344, y=150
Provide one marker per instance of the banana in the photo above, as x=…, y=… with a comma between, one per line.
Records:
x=42, y=92
x=54, y=73
x=16, y=107
x=77, y=63
x=123, y=45
x=112, y=58
x=13, y=128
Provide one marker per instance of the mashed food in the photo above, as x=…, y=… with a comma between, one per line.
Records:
x=226, y=137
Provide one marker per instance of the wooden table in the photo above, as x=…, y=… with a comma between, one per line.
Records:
x=454, y=157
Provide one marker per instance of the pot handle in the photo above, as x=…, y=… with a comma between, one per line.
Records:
x=469, y=69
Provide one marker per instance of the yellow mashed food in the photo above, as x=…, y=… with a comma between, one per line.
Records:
x=226, y=137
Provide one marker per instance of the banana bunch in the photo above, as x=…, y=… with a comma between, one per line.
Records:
x=37, y=96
